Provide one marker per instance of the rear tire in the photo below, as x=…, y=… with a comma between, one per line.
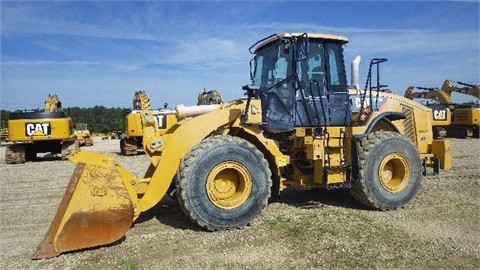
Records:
x=389, y=171
x=223, y=183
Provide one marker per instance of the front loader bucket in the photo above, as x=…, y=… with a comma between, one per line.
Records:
x=96, y=208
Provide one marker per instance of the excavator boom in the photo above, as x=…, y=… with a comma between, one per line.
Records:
x=449, y=87
x=53, y=104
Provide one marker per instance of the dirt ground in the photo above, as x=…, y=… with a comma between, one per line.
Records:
x=304, y=230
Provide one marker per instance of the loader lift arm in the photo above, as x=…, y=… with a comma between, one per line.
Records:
x=187, y=134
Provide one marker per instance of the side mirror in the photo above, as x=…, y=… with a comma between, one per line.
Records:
x=253, y=69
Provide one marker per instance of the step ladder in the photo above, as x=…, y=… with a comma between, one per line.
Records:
x=336, y=171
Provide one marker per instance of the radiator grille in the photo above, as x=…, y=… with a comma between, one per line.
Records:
x=461, y=116
x=408, y=123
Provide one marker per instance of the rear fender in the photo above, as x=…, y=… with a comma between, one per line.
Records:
x=385, y=118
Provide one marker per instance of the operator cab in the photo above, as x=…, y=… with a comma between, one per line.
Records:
x=80, y=126
x=301, y=81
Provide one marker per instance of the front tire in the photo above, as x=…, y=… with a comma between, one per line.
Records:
x=223, y=183
x=389, y=171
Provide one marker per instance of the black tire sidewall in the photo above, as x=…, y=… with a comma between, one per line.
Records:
x=377, y=154
x=199, y=202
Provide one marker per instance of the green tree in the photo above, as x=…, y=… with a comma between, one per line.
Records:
x=99, y=118
x=4, y=118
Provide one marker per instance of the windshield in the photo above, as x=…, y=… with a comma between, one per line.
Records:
x=79, y=126
x=300, y=82
x=271, y=65
x=322, y=70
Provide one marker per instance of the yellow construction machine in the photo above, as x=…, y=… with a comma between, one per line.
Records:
x=441, y=113
x=83, y=135
x=300, y=125
x=451, y=119
x=132, y=140
x=465, y=116
x=450, y=87
x=47, y=131
x=209, y=97
x=3, y=134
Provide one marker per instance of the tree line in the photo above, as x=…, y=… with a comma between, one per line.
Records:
x=99, y=118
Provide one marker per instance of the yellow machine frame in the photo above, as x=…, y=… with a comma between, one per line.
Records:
x=224, y=165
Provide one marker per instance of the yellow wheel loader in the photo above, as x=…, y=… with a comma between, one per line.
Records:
x=132, y=140
x=300, y=125
x=83, y=135
x=48, y=131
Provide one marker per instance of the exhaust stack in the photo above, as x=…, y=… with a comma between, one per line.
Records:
x=355, y=72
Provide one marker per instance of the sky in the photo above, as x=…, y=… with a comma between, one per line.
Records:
x=100, y=52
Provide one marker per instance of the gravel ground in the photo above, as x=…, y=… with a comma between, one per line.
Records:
x=305, y=229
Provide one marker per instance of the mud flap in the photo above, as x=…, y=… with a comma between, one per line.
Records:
x=96, y=210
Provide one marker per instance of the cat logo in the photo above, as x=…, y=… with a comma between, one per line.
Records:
x=161, y=121
x=38, y=129
x=440, y=114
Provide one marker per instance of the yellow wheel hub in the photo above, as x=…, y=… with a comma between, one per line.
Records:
x=229, y=185
x=394, y=172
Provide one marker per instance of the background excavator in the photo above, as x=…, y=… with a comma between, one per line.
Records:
x=47, y=131
x=132, y=140
x=451, y=119
x=209, y=97
x=300, y=125
x=441, y=113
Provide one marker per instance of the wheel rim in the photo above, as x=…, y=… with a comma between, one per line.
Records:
x=394, y=172
x=229, y=185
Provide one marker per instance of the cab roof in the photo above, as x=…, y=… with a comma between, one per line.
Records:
x=274, y=37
